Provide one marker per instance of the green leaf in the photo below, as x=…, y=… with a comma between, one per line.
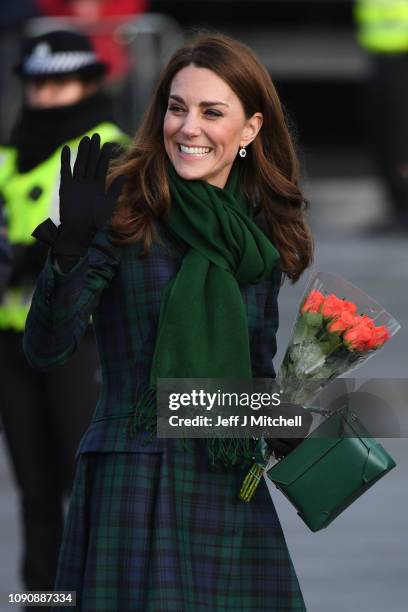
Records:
x=301, y=330
x=313, y=319
x=331, y=342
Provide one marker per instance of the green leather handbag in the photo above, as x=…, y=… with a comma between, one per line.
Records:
x=330, y=469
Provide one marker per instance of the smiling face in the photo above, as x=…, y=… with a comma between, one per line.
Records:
x=205, y=125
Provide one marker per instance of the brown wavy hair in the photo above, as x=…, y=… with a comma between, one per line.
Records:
x=271, y=167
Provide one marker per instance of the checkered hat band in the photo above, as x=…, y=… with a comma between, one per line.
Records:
x=64, y=61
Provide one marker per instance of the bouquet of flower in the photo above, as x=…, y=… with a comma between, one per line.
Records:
x=338, y=327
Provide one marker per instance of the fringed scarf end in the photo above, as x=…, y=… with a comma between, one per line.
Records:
x=228, y=452
x=231, y=452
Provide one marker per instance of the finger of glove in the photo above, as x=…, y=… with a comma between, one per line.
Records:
x=93, y=156
x=115, y=189
x=103, y=162
x=66, y=174
x=82, y=158
x=101, y=212
x=104, y=206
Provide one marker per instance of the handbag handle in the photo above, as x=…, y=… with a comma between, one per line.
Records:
x=346, y=413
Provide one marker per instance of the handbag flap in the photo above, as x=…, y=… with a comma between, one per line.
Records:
x=291, y=467
x=317, y=444
x=378, y=460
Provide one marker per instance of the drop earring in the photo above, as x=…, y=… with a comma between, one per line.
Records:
x=242, y=152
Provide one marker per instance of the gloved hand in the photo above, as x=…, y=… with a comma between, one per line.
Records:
x=84, y=205
x=283, y=446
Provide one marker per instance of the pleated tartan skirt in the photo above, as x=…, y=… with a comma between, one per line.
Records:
x=165, y=532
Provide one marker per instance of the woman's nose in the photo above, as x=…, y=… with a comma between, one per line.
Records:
x=191, y=125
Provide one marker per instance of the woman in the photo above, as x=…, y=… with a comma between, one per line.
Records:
x=154, y=526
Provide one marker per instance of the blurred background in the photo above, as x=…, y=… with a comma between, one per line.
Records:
x=343, y=84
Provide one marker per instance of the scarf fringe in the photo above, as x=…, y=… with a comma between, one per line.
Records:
x=144, y=418
x=237, y=452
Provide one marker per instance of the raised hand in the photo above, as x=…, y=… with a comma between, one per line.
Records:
x=85, y=206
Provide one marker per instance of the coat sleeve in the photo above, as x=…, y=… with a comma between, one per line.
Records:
x=263, y=347
x=62, y=304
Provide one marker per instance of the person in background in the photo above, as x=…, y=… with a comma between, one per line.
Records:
x=44, y=414
x=91, y=14
x=382, y=30
x=14, y=15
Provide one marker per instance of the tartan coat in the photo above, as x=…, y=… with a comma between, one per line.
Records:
x=152, y=527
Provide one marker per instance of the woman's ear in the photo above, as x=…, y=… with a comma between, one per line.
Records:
x=251, y=129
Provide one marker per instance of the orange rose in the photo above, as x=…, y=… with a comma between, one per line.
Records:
x=366, y=320
x=313, y=302
x=332, y=306
x=345, y=320
x=349, y=306
x=359, y=337
x=379, y=337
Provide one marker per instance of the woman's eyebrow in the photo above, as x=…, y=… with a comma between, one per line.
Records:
x=204, y=103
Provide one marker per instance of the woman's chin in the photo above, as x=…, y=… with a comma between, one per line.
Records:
x=189, y=174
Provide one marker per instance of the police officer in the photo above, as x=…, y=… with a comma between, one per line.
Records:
x=45, y=414
x=382, y=30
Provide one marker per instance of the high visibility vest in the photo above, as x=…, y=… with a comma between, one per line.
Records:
x=382, y=25
x=30, y=198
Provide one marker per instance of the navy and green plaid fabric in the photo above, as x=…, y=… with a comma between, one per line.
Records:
x=152, y=527
x=160, y=531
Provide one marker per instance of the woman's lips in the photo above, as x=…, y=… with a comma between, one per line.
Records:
x=195, y=154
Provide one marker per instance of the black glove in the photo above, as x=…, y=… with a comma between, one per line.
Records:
x=283, y=446
x=84, y=205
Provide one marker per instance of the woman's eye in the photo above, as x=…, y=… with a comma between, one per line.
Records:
x=209, y=112
x=213, y=113
x=175, y=108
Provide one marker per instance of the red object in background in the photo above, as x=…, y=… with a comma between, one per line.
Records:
x=92, y=13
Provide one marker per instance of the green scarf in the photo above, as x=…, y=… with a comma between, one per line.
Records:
x=203, y=330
